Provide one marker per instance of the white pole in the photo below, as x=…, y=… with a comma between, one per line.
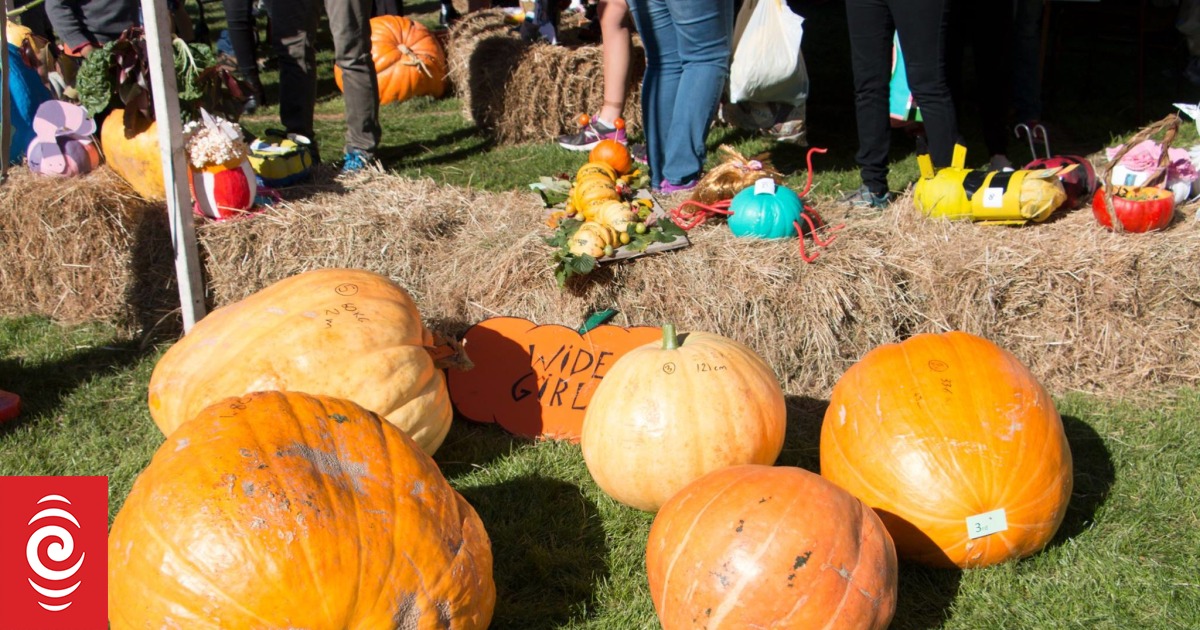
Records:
x=157, y=21
x=5, y=123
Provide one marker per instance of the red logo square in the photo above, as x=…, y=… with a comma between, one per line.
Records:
x=54, y=553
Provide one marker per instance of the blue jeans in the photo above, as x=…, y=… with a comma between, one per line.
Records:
x=687, y=64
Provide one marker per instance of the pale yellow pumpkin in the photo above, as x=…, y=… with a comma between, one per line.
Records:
x=345, y=333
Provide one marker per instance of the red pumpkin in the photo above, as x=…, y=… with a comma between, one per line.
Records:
x=284, y=510
x=956, y=446
x=536, y=380
x=1138, y=208
x=409, y=61
x=769, y=547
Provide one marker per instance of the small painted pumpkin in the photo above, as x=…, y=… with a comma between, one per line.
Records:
x=409, y=61
x=284, y=510
x=1138, y=208
x=347, y=333
x=671, y=411
x=955, y=444
x=769, y=547
x=769, y=212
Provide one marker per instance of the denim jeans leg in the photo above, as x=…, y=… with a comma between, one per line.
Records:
x=661, y=81
x=703, y=31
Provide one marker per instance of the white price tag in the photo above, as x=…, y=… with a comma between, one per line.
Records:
x=986, y=524
x=764, y=186
x=993, y=198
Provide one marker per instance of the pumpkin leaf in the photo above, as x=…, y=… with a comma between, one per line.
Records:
x=553, y=191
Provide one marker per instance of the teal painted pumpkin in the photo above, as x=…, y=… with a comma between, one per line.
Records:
x=764, y=214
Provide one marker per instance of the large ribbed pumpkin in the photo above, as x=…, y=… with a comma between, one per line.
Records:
x=669, y=412
x=409, y=61
x=340, y=332
x=950, y=437
x=137, y=159
x=283, y=510
x=769, y=547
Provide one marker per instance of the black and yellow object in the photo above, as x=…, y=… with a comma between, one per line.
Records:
x=997, y=197
x=282, y=159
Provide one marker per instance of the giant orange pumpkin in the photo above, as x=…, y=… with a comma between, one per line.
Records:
x=409, y=61
x=347, y=333
x=137, y=159
x=537, y=381
x=673, y=410
x=956, y=445
x=283, y=510
x=769, y=547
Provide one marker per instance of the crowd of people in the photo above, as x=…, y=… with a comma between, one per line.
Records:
x=688, y=45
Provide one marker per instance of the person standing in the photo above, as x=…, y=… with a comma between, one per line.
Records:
x=84, y=25
x=921, y=26
x=293, y=31
x=688, y=45
x=240, y=21
x=616, y=46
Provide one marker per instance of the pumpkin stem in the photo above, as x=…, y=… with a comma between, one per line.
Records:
x=670, y=339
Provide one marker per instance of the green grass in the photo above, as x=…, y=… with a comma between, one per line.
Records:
x=567, y=556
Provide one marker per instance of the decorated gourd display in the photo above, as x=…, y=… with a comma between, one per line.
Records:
x=1138, y=208
x=614, y=154
x=955, y=444
x=766, y=210
x=284, y=510
x=536, y=380
x=63, y=143
x=340, y=332
x=136, y=157
x=671, y=411
x=409, y=61
x=1002, y=197
x=594, y=239
x=769, y=547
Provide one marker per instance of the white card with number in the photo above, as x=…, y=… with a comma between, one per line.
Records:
x=986, y=524
x=993, y=198
x=764, y=186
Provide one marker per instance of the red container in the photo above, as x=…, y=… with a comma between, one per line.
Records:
x=1138, y=208
x=10, y=406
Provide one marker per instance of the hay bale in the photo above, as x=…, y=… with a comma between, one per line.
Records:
x=522, y=93
x=1084, y=308
x=84, y=248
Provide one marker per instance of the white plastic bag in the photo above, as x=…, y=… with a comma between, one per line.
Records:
x=768, y=66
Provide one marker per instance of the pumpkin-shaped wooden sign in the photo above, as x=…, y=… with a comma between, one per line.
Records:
x=537, y=380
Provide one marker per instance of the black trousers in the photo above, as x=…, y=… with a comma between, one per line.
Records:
x=985, y=26
x=239, y=21
x=922, y=28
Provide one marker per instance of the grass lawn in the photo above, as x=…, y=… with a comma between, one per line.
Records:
x=567, y=556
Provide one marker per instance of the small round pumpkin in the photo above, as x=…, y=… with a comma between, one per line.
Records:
x=347, y=333
x=284, y=510
x=409, y=61
x=593, y=189
x=956, y=445
x=765, y=214
x=1138, y=208
x=135, y=157
x=669, y=412
x=596, y=167
x=612, y=153
x=769, y=547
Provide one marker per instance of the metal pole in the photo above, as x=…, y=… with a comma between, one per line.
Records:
x=5, y=113
x=159, y=48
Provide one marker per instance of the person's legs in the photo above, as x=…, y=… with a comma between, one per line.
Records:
x=871, y=30
x=349, y=21
x=922, y=28
x=616, y=45
x=1027, y=42
x=704, y=32
x=661, y=81
x=239, y=20
x=293, y=27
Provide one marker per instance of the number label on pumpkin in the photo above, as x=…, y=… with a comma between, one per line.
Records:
x=993, y=198
x=764, y=186
x=986, y=524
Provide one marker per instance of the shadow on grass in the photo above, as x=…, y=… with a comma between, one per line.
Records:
x=803, y=438
x=548, y=548
x=44, y=386
x=1093, y=476
x=472, y=445
x=426, y=152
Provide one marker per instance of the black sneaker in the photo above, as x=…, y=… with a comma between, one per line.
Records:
x=590, y=135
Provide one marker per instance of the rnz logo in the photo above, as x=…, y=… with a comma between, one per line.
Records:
x=54, y=586
x=54, y=553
